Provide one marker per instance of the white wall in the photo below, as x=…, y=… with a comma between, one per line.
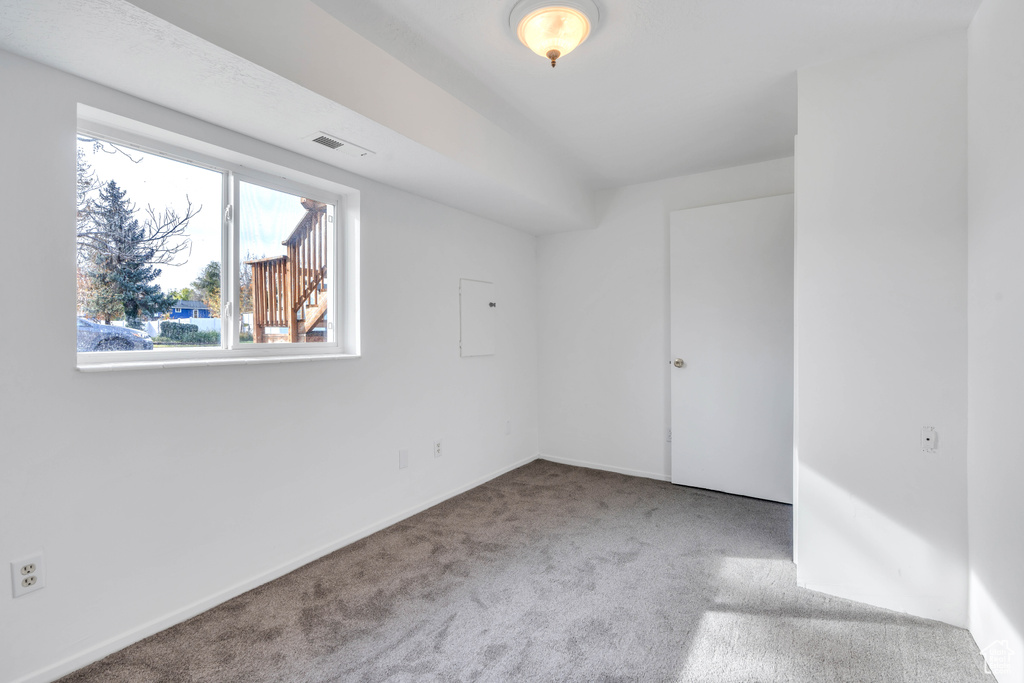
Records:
x=882, y=327
x=996, y=301
x=604, y=320
x=138, y=536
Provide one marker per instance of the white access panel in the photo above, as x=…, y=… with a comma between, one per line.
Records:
x=478, y=313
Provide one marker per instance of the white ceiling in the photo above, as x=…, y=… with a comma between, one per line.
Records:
x=455, y=108
x=661, y=87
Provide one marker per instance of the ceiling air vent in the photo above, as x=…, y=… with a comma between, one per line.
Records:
x=334, y=142
x=328, y=141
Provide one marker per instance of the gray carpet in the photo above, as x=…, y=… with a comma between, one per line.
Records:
x=554, y=573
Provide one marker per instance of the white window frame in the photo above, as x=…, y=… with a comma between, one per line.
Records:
x=343, y=272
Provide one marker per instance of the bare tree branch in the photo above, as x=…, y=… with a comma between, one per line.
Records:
x=162, y=230
x=164, y=236
x=107, y=147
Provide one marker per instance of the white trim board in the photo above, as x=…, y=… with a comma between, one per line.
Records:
x=606, y=468
x=107, y=647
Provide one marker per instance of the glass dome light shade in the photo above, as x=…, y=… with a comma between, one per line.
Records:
x=556, y=28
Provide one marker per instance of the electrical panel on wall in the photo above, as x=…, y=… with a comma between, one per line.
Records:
x=478, y=310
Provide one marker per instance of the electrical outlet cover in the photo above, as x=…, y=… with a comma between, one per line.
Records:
x=929, y=439
x=27, y=574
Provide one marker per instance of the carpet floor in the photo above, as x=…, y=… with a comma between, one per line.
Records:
x=554, y=573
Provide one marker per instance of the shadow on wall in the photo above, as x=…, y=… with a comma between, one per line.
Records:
x=851, y=548
x=1004, y=656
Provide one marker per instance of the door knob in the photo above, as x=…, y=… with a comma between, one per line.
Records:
x=678, y=362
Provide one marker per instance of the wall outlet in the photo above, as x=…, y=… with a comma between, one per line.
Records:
x=668, y=436
x=27, y=574
x=437, y=448
x=508, y=427
x=403, y=459
x=929, y=439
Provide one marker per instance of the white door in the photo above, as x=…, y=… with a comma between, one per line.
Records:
x=732, y=327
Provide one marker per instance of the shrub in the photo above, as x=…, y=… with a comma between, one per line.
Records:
x=201, y=338
x=178, y=331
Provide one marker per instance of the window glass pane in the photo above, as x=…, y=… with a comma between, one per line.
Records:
x=149, y=250
x=284, y=241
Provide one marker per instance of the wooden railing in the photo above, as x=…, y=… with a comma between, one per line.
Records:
x=307, y=255
x=290, y=291
x=270, y=291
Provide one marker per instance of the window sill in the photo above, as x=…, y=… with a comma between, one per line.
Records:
x=93, y=366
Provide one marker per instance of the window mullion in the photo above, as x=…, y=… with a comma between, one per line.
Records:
x=229, y=279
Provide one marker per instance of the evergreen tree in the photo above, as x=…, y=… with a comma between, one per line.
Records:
x=121, y=271
x=98, y=297
x=207, y=286
x=116, y=264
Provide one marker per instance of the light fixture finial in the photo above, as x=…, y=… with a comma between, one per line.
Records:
x=553, y=28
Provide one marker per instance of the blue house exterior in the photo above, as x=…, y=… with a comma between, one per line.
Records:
x=189, y=309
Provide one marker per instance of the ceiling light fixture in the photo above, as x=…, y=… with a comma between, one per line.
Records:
x=553, y=30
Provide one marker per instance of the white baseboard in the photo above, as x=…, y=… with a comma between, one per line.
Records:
x=606, y=468
x=101, y=650
x=904, y=602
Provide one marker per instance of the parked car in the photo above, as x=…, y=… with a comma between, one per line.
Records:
x=98, y=337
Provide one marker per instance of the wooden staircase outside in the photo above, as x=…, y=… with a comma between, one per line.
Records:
x=290, y=291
